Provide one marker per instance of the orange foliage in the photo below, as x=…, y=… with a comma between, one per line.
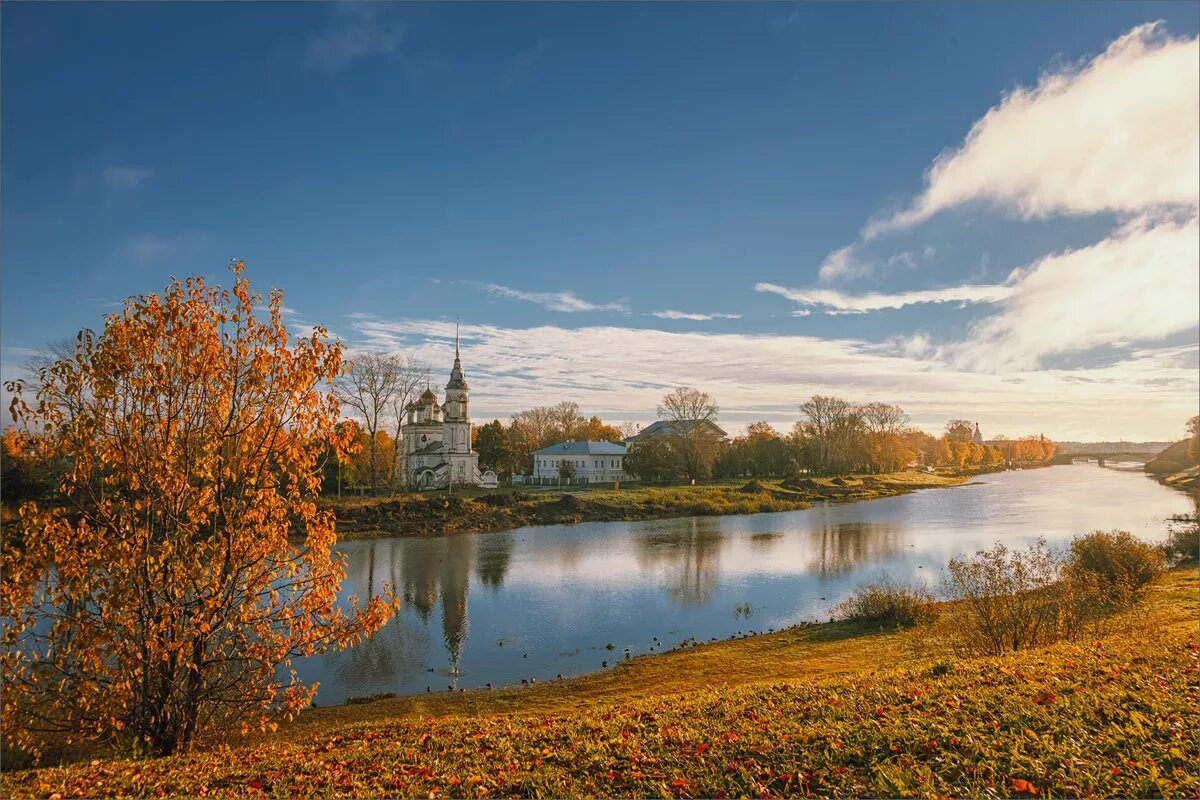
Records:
x=168, y=601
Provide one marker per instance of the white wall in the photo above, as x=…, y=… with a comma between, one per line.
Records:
x=588, y=468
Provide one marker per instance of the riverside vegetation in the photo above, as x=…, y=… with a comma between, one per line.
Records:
x=852, y=707
x=473, y=511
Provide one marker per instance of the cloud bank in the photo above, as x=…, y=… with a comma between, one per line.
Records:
x=622, y=373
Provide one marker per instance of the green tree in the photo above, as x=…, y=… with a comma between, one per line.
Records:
x=656, y=459
x=497, y=448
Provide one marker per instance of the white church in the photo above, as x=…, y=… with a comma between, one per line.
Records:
x=437, y=438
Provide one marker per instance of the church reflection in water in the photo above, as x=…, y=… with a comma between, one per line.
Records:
x=433, y=578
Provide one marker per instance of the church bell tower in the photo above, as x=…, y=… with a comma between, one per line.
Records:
x=457, y=426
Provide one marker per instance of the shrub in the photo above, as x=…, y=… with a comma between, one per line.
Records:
x=887, y=603
x=1109, y=569
x=504, y=499
x=1012, y=599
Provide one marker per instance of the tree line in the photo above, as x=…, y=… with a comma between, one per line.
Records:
x=833, y=437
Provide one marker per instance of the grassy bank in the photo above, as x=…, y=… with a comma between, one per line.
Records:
x=425, y=514
x=824, y=709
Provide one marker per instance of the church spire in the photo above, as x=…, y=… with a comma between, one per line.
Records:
x=457, y=381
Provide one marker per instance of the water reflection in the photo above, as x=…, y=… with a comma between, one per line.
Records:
x=537, y=602
x=840, y=548
x=493, y=554
x=689, y=551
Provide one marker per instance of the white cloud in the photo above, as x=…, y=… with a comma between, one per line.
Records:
x=1139, y=285
x=845, y=264
x=836, y=302
x=1119, y=133
x=698, y=317
x=565, y=301
x=842, y=264
x=622, y=372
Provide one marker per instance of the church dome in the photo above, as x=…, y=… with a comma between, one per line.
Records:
x=427, y=397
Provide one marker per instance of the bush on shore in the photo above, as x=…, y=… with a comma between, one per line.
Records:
x=1183, y=537
x=1012, y=599
x=888, y=603
x=1018, y=599
x=1108, y=570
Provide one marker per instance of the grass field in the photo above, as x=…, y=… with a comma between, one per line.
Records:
x=833, y=709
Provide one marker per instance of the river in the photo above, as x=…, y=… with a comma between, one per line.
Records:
x=543, y=601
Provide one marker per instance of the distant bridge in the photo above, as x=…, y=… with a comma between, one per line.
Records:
x=1100, y=458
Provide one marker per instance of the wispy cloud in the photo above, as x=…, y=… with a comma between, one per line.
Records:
x=846, y=263
x=565, y=301
x=1118, y=133
x=515, y=368
x=124, y=177
x=692, y=316
x=153, y=248
x=355, y=30
x=521, y=66
x=832, y=301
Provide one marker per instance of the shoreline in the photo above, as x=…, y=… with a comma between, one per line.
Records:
x=435, y=515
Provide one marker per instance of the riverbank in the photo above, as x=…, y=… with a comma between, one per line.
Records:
x=838, y=708
x=425, y=514
x=1177, y=468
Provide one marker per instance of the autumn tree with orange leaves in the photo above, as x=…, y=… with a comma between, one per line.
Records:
x=187, y=563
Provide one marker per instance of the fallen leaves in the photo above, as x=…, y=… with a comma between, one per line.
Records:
x=960, y=738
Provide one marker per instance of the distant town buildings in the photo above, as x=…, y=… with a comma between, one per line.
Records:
x=437, y=448
x=580, y=462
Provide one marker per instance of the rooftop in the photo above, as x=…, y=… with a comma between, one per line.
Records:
x=677, y=427
x=582, y=449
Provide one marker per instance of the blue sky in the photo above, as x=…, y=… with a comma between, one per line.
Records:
x=558, y=174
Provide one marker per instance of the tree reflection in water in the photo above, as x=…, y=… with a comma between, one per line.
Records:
x=842, y=547
x=493, y=556
x=688, y=553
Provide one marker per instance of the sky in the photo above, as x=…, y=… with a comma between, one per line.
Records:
x=974, y=211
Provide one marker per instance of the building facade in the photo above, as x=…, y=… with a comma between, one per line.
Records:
x=437, y=438
x=591, y=462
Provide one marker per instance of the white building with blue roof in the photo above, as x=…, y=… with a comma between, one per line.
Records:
x=593, y=462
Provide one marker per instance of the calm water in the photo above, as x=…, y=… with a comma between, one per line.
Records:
x=538, y=602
